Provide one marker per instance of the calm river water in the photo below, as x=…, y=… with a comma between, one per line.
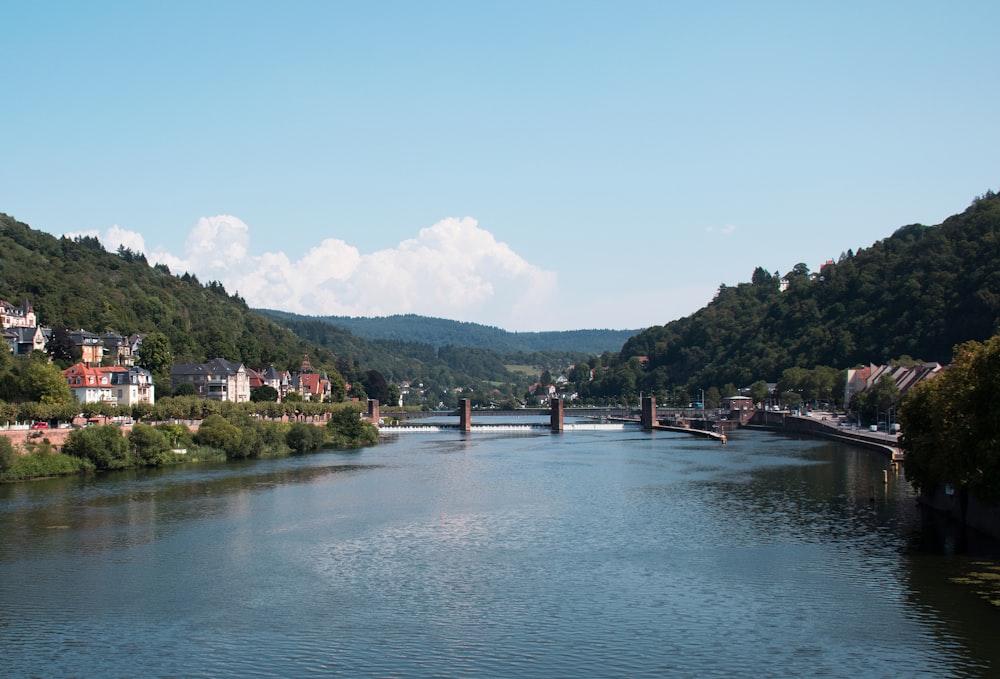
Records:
x=585, y=554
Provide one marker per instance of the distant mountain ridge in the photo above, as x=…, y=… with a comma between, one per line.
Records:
x=440, y=332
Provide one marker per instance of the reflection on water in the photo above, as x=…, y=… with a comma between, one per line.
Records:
x=583, y=554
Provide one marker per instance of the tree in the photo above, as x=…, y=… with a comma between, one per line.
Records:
x=713, y=398
x=154, y=353
x=376, y=386
x=103, y=445
x=7, y=455
x=217, y=432
x=149, y=445
x=305, y=438
x=884, y=395
x=263, y=393
x=346, y=428
x=44, y=382
x=61, y=346
x=759, y=391
x=186, y=389
x=951, y=433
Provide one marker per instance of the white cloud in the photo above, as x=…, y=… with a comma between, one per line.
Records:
x=724, y=230
x=453, y=269
x=117, y=236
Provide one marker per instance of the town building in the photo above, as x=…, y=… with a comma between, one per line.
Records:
x=23, y=340
x=311, y=385
x=17, y=316
x=90, y=345
x=115, y=385
x=218, y=379
x=906, y=377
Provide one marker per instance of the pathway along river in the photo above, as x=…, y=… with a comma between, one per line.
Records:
x=610, y=554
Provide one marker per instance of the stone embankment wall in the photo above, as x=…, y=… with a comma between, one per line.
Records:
x=18, y=437
x=965, y=508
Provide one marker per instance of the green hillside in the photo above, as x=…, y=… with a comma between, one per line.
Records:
x=440, y=332
x=917, y=293
x=77, y=284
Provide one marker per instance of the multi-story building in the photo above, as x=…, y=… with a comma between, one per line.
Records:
x=117, y=385
x=17, y=316
x=218, y=379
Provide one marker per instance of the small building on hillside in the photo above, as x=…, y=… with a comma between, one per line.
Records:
x=118, y=347
x=17, y=316
x=90, y=345
x=22, y=340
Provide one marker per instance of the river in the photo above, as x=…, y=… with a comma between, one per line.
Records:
x=583, y=554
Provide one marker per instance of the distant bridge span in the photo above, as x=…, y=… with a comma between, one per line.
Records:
x=648, y=415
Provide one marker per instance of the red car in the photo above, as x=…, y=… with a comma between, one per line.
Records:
x=40, y=425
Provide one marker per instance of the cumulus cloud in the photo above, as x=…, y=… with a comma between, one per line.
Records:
x=452, y=269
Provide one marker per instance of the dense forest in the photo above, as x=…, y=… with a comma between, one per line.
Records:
x=440, y=332
x=917, y=293
x=77, y=284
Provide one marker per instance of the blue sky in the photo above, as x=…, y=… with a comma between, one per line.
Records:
x=534, y=166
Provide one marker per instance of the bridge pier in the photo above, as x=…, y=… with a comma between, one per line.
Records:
x=648, y=413
x=465, y=415
x=373, y=414
x=557, y=415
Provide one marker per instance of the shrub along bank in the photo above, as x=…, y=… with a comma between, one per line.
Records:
x=237, y=435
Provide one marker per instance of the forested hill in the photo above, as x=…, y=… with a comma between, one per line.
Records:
x=439, y=332
x=77, y=284
x=917, y=293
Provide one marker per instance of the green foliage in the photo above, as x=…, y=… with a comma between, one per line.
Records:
x=42, y=462
x=305, y=438
x=62, y=347
x=919, y=292
x=7, y=455
x=263, y=393
x=75, y=283
x=951, y=432
x=186, y=389
x=44, y=382
x=177, y=435
x=439, y=332
x=150, y=445
x=759, y=391
x=348, y=430
x=216, y=431
x=104, y=446
x=155, y=354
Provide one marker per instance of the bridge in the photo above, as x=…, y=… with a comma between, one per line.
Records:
x=648, y=416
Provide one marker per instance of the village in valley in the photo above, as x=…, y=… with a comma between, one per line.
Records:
x=107, y=371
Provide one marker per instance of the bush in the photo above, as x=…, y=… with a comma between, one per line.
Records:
x=104, y=446
x=217, y=432
x=7, y=454
x=44, y=463
x=150, y=445
x=305, y=438
x=178, y=436
x=348, y=430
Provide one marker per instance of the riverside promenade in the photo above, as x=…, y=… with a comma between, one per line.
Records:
x=827, y=426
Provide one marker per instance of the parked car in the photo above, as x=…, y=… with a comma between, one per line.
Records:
x=40, y=425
